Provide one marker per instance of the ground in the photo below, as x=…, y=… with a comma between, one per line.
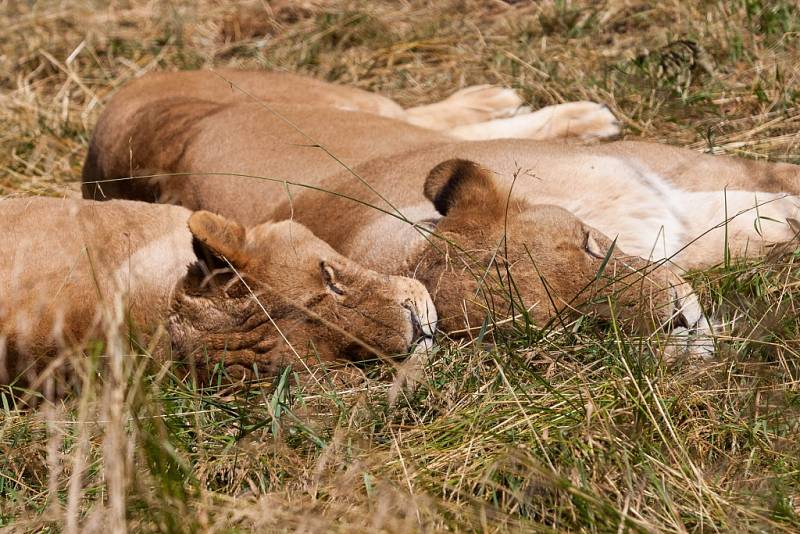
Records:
x=577, y=428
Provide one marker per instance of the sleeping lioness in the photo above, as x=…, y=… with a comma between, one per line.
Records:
x=527, y=220
x=251, y=300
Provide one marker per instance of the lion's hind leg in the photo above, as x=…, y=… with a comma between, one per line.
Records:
x=585, y=121
x=474, y=104
x=483, y=112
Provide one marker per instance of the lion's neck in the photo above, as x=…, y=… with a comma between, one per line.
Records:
x=390, y=244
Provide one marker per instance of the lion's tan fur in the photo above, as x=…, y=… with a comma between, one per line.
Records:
x=243, y=150
x=79, y=269
x=655, y=198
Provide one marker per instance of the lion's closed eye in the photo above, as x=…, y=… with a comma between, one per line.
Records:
x=329, y=278
x=592, y=247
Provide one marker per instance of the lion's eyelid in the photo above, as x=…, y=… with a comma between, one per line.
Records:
x=592, y=247
x=329, y=277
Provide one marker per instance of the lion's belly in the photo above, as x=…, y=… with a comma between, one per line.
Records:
x=653, y=219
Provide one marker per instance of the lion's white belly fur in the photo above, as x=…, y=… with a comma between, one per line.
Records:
x=652, y=218
x=638, y=208
x=642, y=210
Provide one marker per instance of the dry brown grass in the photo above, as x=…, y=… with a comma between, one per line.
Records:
x=543, y=430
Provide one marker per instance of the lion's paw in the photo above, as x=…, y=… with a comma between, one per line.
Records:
x=770, y=217
x=486, y=102
x=588, y=121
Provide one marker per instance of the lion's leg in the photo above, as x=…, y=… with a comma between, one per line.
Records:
x=694, y=171
x=745, y=223
x=478, y=103
x=720, y=172
x=484, y=112
x=582, y=120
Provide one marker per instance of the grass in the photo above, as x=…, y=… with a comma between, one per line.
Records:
x=564, y=429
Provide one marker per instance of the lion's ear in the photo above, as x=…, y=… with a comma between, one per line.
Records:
x=215, y=237
x=460, y=183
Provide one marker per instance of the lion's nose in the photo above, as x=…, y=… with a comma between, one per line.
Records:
x=686, y=311
x=679, y=320
x=423, y=319
x=688, y=321
x=417, y=327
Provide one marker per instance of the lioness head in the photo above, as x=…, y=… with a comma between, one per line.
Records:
x=493, y=253
x=275, y=294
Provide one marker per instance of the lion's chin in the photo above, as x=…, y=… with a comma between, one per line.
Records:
x=423, y=345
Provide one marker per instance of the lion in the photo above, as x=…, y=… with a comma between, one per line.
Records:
x=252, y=300
x=474, y=113
x=526, y=219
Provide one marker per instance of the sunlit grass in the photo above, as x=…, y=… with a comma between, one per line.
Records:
x=574, y=428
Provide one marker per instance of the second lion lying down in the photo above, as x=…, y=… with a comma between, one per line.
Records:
x=251, y=300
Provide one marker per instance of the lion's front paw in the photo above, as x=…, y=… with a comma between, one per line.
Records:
x=588, y=121
x=769, y=218
x=486, y=102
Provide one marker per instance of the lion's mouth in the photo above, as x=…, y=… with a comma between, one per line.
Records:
x=422, y=345
x=429, y=223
